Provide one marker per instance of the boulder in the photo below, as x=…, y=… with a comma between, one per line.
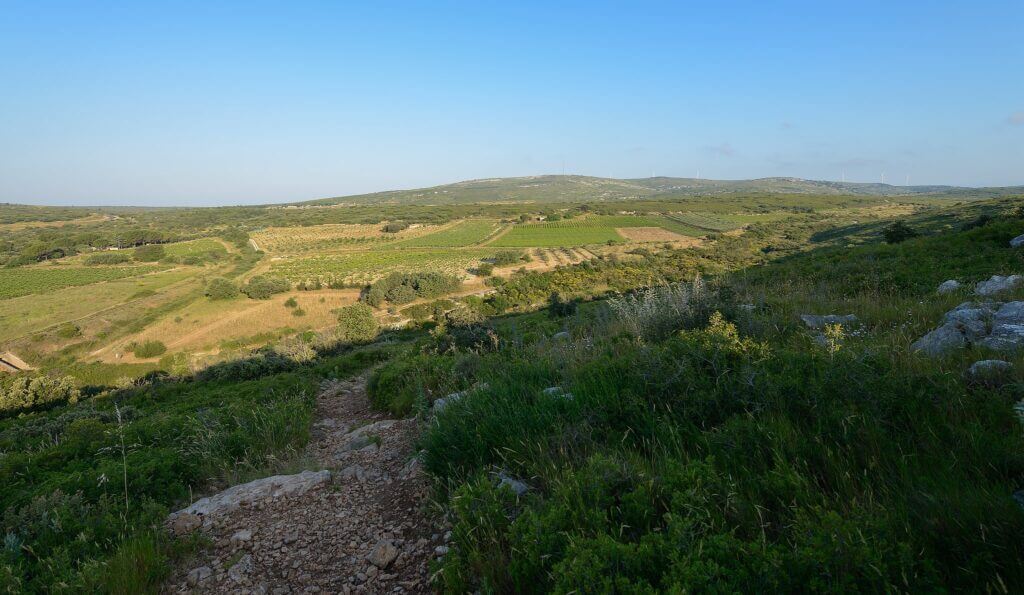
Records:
x=998, y=284
x=991, y=325
x=990, y=371
x=1007, y=330
x=198, y=575
x=184, y=523
x=518, y=487
x=1017, y=242
x=557, y=392
x=240, y=570
x=561, y=336
x=941, y=340
x=440, y=404
x=818, y=321
x=948, y=286
x=241, y=536
x=260, y=490
x=383, y=554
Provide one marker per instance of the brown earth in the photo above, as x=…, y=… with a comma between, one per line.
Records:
x=370, y=530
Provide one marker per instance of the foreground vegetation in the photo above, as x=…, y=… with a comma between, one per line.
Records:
x=674, y=435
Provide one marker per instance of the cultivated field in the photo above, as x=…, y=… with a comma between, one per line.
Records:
x=34, y=280
x=465, y=233
x=332, y=237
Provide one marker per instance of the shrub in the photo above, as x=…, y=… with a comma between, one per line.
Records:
x=397, y=385
x=68, y=330
x=34, y=392
x=981, y=221
x=401, y=294
x=402, y=288
x=357, y=324
x=298, y=312
x=291, y=303
x=658, y=312
x=485, y=269
x=509, y=257
x=898, y=232
x=261, y=287
x=221, y=289
x=395, y=227
x=149, y=253
x=108, y=258
x=149, y=349
x=560, y=307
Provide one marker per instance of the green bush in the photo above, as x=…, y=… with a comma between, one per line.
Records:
x=485, y=269
x=149, y=253
x=101, y=258
x=898, y=232
x=402, y=288
x=715, y=462
x=399, y=384
x=261, y=287
x=149, y=349
x=220, y=288
x=25, y=392
x=68, y=330
x=395, y=227
x=509, y=257
x=291, y=303
x=356, y=324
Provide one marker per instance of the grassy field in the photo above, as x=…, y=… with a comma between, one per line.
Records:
x=332, y=237
x=194, y=248
x=464, y=233
x=586, y=230
x=362, y=267
x=206, y=324
x=36, y=280
x=26, y=314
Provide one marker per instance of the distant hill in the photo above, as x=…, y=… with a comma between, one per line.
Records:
x=586, y=188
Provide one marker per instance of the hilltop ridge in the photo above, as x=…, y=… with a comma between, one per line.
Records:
x=575, y=188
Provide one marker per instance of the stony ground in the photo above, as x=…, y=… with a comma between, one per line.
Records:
x=368, y=530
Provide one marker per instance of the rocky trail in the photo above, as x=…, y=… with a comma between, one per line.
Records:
x=361, y=524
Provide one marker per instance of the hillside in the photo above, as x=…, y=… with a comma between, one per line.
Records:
x=609, y=423
x=554, y=188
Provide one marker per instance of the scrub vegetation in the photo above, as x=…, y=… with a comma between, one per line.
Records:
x=675, y=425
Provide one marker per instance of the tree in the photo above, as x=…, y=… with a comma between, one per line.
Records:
x=560, y=307
x=221, y=289
x=898, y=232
x=261, y=287
x=357, y=324
x=149, y=253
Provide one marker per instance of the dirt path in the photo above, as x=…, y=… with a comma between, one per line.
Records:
x=367, y=531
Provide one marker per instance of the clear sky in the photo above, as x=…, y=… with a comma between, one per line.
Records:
x=242, y=102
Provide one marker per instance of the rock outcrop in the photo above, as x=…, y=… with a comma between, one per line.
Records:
x=203, y=511
x=991, y=325
x=948, y=286
x=819, y=321
x=990, y=371
x=998, y=284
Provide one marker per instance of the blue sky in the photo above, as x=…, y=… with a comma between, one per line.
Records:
x=227, y=103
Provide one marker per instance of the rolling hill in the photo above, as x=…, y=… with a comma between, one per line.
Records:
x=572, y=188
